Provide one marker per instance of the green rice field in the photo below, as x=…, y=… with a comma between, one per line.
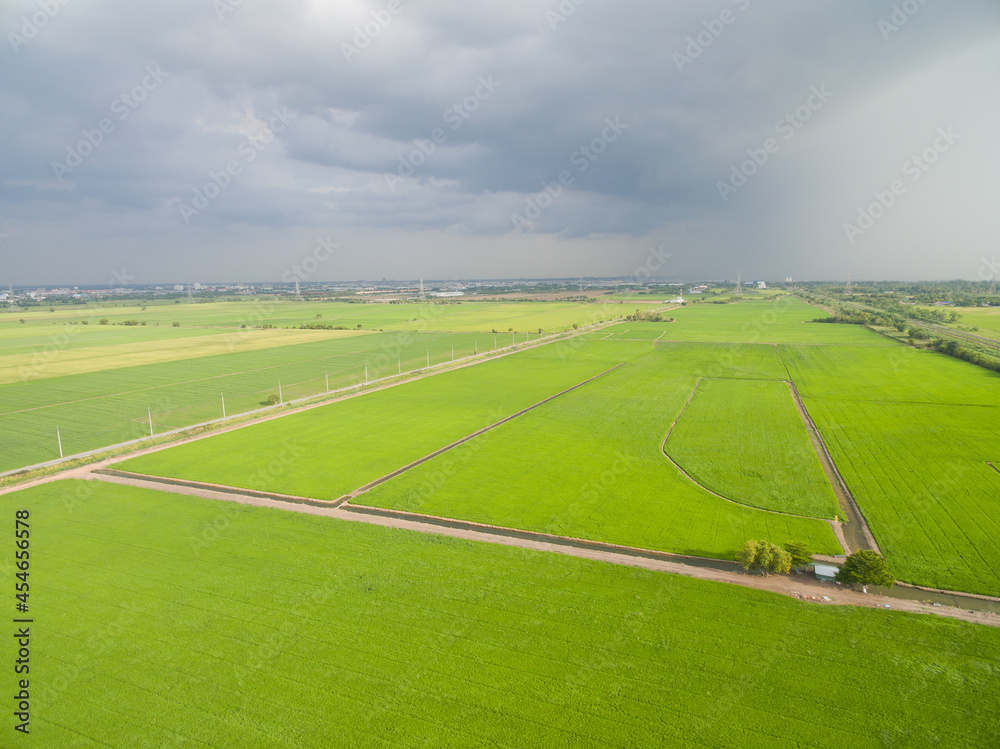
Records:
x=341, y=446
x=455, y=316
x=291, y=630
x=100, y=408
x=610, y=482
x=901, y=425
x=745, y=440
x=595, y=468
x=776, y=320
x=101, y=384
x=912, y=433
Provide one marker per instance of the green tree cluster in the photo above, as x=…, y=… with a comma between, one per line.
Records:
x=865, y=568
x=765, y=556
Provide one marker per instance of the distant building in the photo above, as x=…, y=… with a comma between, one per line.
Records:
x=178, y=287
x=826, y=572
x=448, y=293
x=761, y=285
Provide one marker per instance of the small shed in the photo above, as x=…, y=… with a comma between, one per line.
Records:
x=825, y=572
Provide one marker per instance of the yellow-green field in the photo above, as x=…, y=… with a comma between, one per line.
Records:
x=458, y=316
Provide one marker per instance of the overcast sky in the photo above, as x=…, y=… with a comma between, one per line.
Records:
x=205, y=141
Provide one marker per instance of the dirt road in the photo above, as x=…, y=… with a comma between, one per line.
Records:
x=803, y=587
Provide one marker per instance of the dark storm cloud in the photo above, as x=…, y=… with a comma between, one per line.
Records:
x=132, y=126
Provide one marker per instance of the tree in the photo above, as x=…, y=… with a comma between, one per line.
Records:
x=799, y=552
x=766, y=556
x=748, y=555
x=865, y=568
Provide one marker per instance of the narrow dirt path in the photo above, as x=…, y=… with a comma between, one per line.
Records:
x=844, y=496
x=382, y=479
x=801, y=587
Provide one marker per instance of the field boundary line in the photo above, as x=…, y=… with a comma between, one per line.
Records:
x=826, y=459
x=716, y=570
x=980, y=596
x=238, y=421
x=993, y=466
x=222, y=488
x=382, y=479
x=550, y=538
x=834, y=526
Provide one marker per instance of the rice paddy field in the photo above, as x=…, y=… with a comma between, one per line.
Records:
x=911, y=431
x=101, y=384
x=914, y=434
x=291, y=630
x=103, y=407
x=745, y=439
x=454, y=316
x=987, y=319
x=588, y=464
x=336, y=448
x=766, y=321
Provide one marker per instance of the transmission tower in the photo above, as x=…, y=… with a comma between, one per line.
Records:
x=13, y=305
x=739, y=283
x=190, y=298
x=847, y=289
x=298, y=294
